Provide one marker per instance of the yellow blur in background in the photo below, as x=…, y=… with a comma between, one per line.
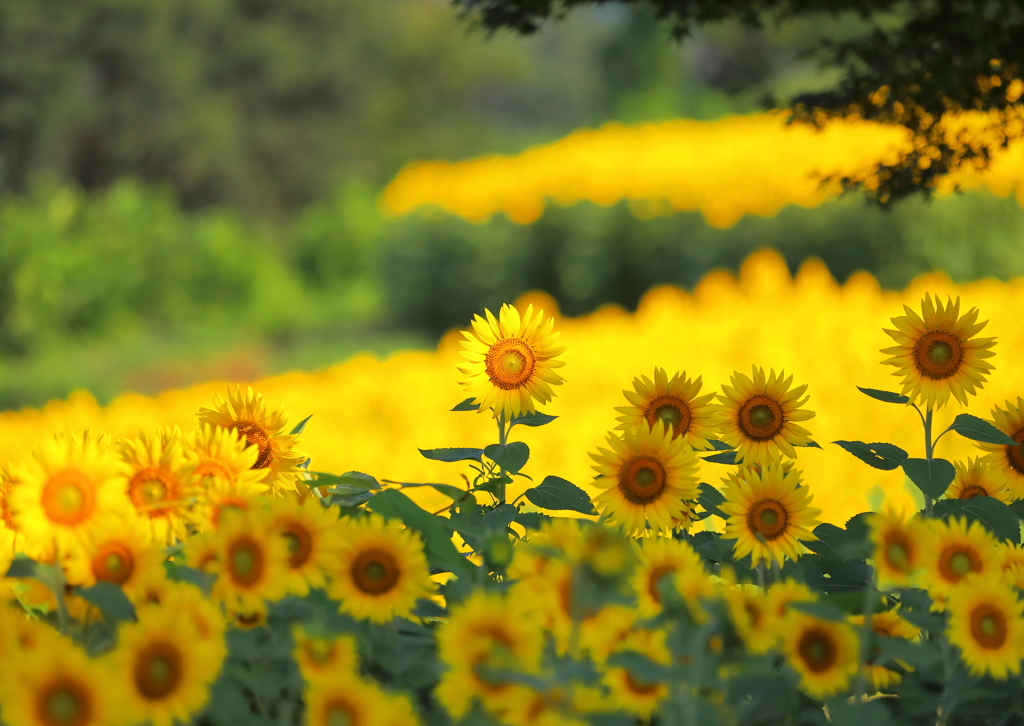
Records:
x=371, y=415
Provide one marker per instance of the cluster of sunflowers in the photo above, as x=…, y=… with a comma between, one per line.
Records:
x=215, y=579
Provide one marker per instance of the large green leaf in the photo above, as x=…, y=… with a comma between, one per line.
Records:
x=452, y=454
x=531, y=419
x=976, y=429
x=879, y=455
x=710, y=498
x=467, y=405
x=110, y=599
x=993, y=514
x=300, y=426
x=932, y=476
x=558, y=494
x=887, y=396
x=510, y=457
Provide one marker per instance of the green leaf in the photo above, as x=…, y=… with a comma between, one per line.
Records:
x=22, y=567
x=301, y=425
x=531, y=419
x=976, y=429
x=710, y=498
x=993, y=514
x=727, y=457
x=887, y=396
x=452, y=492
x=441, y=551
x=821, y=609
x=1018, y=508
x=879, y=455
x=510, y=457
x=342, y=499
x=558, y=494
x=812, y=445
x=452, y=455
x=916, y=654
x=932, y=476
x=351, y=480
x=719, y=445
x=467, y=405
x=183, y=573
x=532, y=520
x=110, y=599
x=843, y=713
x=499, y=518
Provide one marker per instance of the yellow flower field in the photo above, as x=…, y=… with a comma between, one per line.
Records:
x=370, y=415
x=726, y=168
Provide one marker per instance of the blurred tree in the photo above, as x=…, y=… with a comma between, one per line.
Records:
x=915, y=62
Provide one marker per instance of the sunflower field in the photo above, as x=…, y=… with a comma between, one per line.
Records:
x=785, y=542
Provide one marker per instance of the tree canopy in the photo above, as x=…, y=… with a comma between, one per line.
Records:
x=947, y=70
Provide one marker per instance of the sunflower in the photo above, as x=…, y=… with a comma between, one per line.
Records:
x=511, y=361
x=602, y=635
x=889, y=624
x=60, y=687
x=9, y=535
x=658, y=557
x=937, y=353
x=346, y=699
x=986, y=622
x=486, y=629
x=824, y=653
x=324, y=657
x=123, y=554
x=646, y=476
x=159, y=481
x=958, y=550
x=1011, y=562
x=250, y=562
x=769, y=513
x=380, y=570
x=206, y=616
x=901, y=548
x=223, y=470
x=977, y=478
x=1007, y=459
x=246, y=414
x=166, y=665
x=749, y=610
x=629, y=693
x=66, y=493
x=757, y=416
x=310, y=531
x=674, y=403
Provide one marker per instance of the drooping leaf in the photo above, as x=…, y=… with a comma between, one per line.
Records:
x=350, y=499
x=812, y=445
x=821, y=609
x=558, y=494
x=993, y=514
x=351, y=481
x=22, y=567
x=499, y=518
x=452, y=492
x=976, y=429
x=887, y=396
x=452, y=455
x=510, y=457
x=710, y=498
x=932, y=476
x=182, y=573
x=110, y=599
x=467, y=405
x=441, y=551
x=726, y=457
x=531, y=419
x=1018, y=508
x=879, y=455
x=913, y=653
x=718, y=445
x=532, y=520
x=300, y=426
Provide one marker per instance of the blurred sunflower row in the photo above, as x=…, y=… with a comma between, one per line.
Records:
x=212, y=577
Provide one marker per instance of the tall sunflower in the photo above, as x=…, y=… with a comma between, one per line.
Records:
x=958, y=550
x=823, y=652
x=769, y=514
x=937, y=352
x=986, y=622
x=246, y=414
x=122, y=554
x=891, y=625
x=67, y=492
x=165, y=666
x=1007, y=459
x=250, y=562
x=486, y=629
x=58, y=686
x=380, y=570
x=511, y=361
x=310, y=531
x=675, y=403
x=978, y=478
x=159, y=481
x=901, y=548
x=224, y=472
x=757, y=416
x=646, y=476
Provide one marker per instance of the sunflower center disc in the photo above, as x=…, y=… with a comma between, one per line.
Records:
x=897, y=555
x=338, y=716
x=63, y=707
x=320, y=651
x=152, y=491
x=669, y=415
x=645, y=477
x=817, y=650
x=160, y=669
x=375, y=572
x=769, y=517
x=960, y=563
x=761, y=416
x=972, y=490
x=256, y=435
x=243, y=561
x=989, y=626
x=113, y=563
x=1015, y=454
x=510, y=363
x=940, y=352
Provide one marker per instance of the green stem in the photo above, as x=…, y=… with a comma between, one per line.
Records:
x=502, y=439
x=929, y=448
x=866, y=631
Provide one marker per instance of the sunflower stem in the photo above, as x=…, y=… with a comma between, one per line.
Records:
x=761, y=579
x=929, y=449
x=866, y=631
x=502, y=439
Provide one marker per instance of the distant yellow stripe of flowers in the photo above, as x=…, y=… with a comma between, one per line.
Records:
x=371, y=415
x=736, y=165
